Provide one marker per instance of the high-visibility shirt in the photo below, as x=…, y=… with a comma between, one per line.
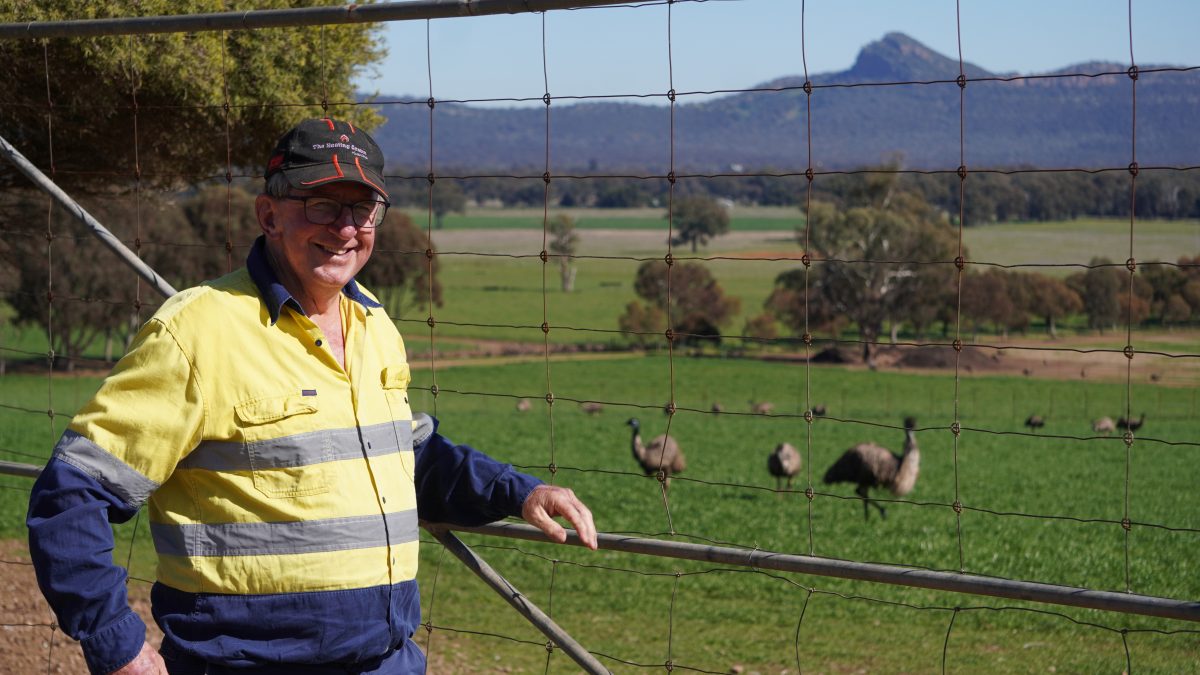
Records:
x=283, y=491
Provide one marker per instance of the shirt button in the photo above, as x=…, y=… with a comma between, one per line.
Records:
x=319, y=343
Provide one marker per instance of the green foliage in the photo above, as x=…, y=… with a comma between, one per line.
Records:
x=697, y=219
x=689, y=294
x=564, y=243
x=172, y=105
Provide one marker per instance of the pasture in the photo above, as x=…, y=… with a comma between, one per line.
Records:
x=1043, y=507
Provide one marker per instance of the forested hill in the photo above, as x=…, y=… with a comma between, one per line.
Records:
x=1054, y=120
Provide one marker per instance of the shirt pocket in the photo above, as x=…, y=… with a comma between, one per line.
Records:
x=394, y=381
x=286, y=458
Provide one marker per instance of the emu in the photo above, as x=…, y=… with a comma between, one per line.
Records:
x=1131, y=424
x=762, y=408
x=1035, y=422
x=1104, y=425
x=870, y=465
x=661, y=453
x=784, y=463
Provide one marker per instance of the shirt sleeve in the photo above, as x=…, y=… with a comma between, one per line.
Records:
x=118, y=449
x=71, y=544
x=460, y=485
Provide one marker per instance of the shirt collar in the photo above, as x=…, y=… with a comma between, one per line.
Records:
x=275, y=295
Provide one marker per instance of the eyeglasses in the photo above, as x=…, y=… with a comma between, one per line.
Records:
x=325, y=211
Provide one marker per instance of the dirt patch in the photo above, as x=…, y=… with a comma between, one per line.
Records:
x=30, y=641
x=29, y=637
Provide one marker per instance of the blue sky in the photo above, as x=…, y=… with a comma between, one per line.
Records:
x=731, y=44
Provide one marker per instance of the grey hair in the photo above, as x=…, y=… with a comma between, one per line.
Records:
x=277, y=185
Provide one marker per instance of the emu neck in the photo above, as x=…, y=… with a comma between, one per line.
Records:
x=910, y=466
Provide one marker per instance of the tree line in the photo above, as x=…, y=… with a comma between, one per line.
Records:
x=890, y=262
x=988, y=197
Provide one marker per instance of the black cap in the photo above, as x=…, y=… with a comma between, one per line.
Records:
x=320, y=151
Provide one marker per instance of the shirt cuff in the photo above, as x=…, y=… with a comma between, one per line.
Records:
x=114, y=646
x=516, y=486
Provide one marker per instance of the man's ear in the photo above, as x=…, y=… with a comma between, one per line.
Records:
x=264, y=210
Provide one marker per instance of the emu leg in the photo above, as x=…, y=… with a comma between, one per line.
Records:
x=862, y=492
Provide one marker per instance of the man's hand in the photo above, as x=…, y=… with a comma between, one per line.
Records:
x=548, y=501
x=147, y=662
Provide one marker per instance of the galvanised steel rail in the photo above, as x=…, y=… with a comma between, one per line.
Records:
x=279, y=18
x=1128, y=603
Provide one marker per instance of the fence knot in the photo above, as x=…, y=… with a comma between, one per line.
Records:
x=957, y=344
x=430, y=102
x=808, y=492
x=430, y=177
x=807, y=338
x=546, y=177
x=431, y=322
x=806, y=260
x=433, y=389
x=810, y=174
x=671, y=177
x=955, y=428
x=553, y=468
x=962, y=172
x=957, y=506
x=808, y=88
x=670, y=408
x=1133, y=169
x=550, y=398
x=808, y=416
x=960, y=262
x=669, y=259
x=961, y=80
x=546, y=327
x=546, y=98
x=1125, y=523
x=1131, y=264
x=1128, y=351
x=1132, y=72
x=671, y=94
x=429, y=254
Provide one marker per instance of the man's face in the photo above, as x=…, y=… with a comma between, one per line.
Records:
x=319, y=259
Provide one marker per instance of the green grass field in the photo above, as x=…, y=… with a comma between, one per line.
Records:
x=1041, y=508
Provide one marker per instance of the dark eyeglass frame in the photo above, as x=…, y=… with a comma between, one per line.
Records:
x=380, y=204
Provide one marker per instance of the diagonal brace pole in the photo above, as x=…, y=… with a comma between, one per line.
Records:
x=106, y=237
x=518, y=600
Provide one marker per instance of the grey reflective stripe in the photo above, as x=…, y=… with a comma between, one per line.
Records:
x=116, y=476
x=304, y=536
x=424, y=429
x=300, y=449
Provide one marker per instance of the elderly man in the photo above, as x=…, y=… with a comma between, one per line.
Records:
x=264, y=418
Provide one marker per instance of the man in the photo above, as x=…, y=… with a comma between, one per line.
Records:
x=264, y=418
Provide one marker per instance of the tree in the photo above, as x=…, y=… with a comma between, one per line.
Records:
x=173, y=87
x=689, y=295
x=63, y=283
x=696, y=219
x=447, y=197
x=564, y=243
x=1052, y=299
x=642, y=320
x=400, y=273
x=1099, y=287
x=985, y=297
x=871, y=261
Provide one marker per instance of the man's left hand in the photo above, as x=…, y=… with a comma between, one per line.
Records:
x=548, y=501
